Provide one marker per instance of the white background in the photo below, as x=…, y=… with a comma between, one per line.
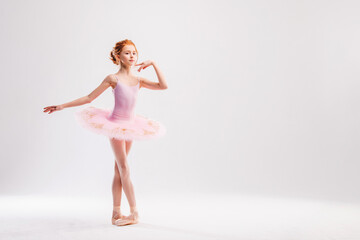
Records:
x=263, y=96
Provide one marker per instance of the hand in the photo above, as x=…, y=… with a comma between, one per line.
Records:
x=54, y=108
x=144, y=64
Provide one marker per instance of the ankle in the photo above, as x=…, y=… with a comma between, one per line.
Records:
x=116, y=209
x=133, y=209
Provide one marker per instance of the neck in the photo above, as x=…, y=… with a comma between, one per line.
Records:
x=125, y=70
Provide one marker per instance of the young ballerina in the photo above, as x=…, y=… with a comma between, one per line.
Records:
x=121, y=125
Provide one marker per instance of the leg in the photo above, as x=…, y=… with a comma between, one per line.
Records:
x=119, y=148
x=117, y=188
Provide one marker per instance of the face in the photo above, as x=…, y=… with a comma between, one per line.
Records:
x=128, y=55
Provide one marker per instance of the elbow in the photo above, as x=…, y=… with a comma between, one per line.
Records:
x=163, y=87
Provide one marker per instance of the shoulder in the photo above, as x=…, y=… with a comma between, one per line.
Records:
x=110, y=79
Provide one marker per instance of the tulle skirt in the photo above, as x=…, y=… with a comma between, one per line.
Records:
x=140, y=127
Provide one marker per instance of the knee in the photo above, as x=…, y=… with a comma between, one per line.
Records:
x=123, y=169
x=124, y=172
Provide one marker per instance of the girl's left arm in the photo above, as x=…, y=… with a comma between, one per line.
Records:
x=154, y=85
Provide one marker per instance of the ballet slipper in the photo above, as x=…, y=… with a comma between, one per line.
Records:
x=116, y=215
x=133, y=218
x=113, y=220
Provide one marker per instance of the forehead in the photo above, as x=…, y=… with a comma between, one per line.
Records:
x=129, y=48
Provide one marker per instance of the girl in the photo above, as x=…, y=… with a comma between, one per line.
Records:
x=121, y=125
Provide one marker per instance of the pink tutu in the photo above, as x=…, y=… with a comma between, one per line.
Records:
x=139, y=128
x=121, y=122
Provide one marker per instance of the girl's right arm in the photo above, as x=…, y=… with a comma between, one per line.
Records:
x=83, y=100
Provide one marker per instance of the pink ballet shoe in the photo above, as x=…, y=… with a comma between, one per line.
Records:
x=113, y=220
x=116, y=216
x=133, y=218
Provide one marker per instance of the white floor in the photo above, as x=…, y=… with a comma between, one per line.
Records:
x=179, y=217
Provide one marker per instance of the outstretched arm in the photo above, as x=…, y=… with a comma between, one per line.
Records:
x=149, y=84
x=83, y=100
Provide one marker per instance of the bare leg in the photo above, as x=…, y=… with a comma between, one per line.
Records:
x=117, y=188
x=119, y=149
